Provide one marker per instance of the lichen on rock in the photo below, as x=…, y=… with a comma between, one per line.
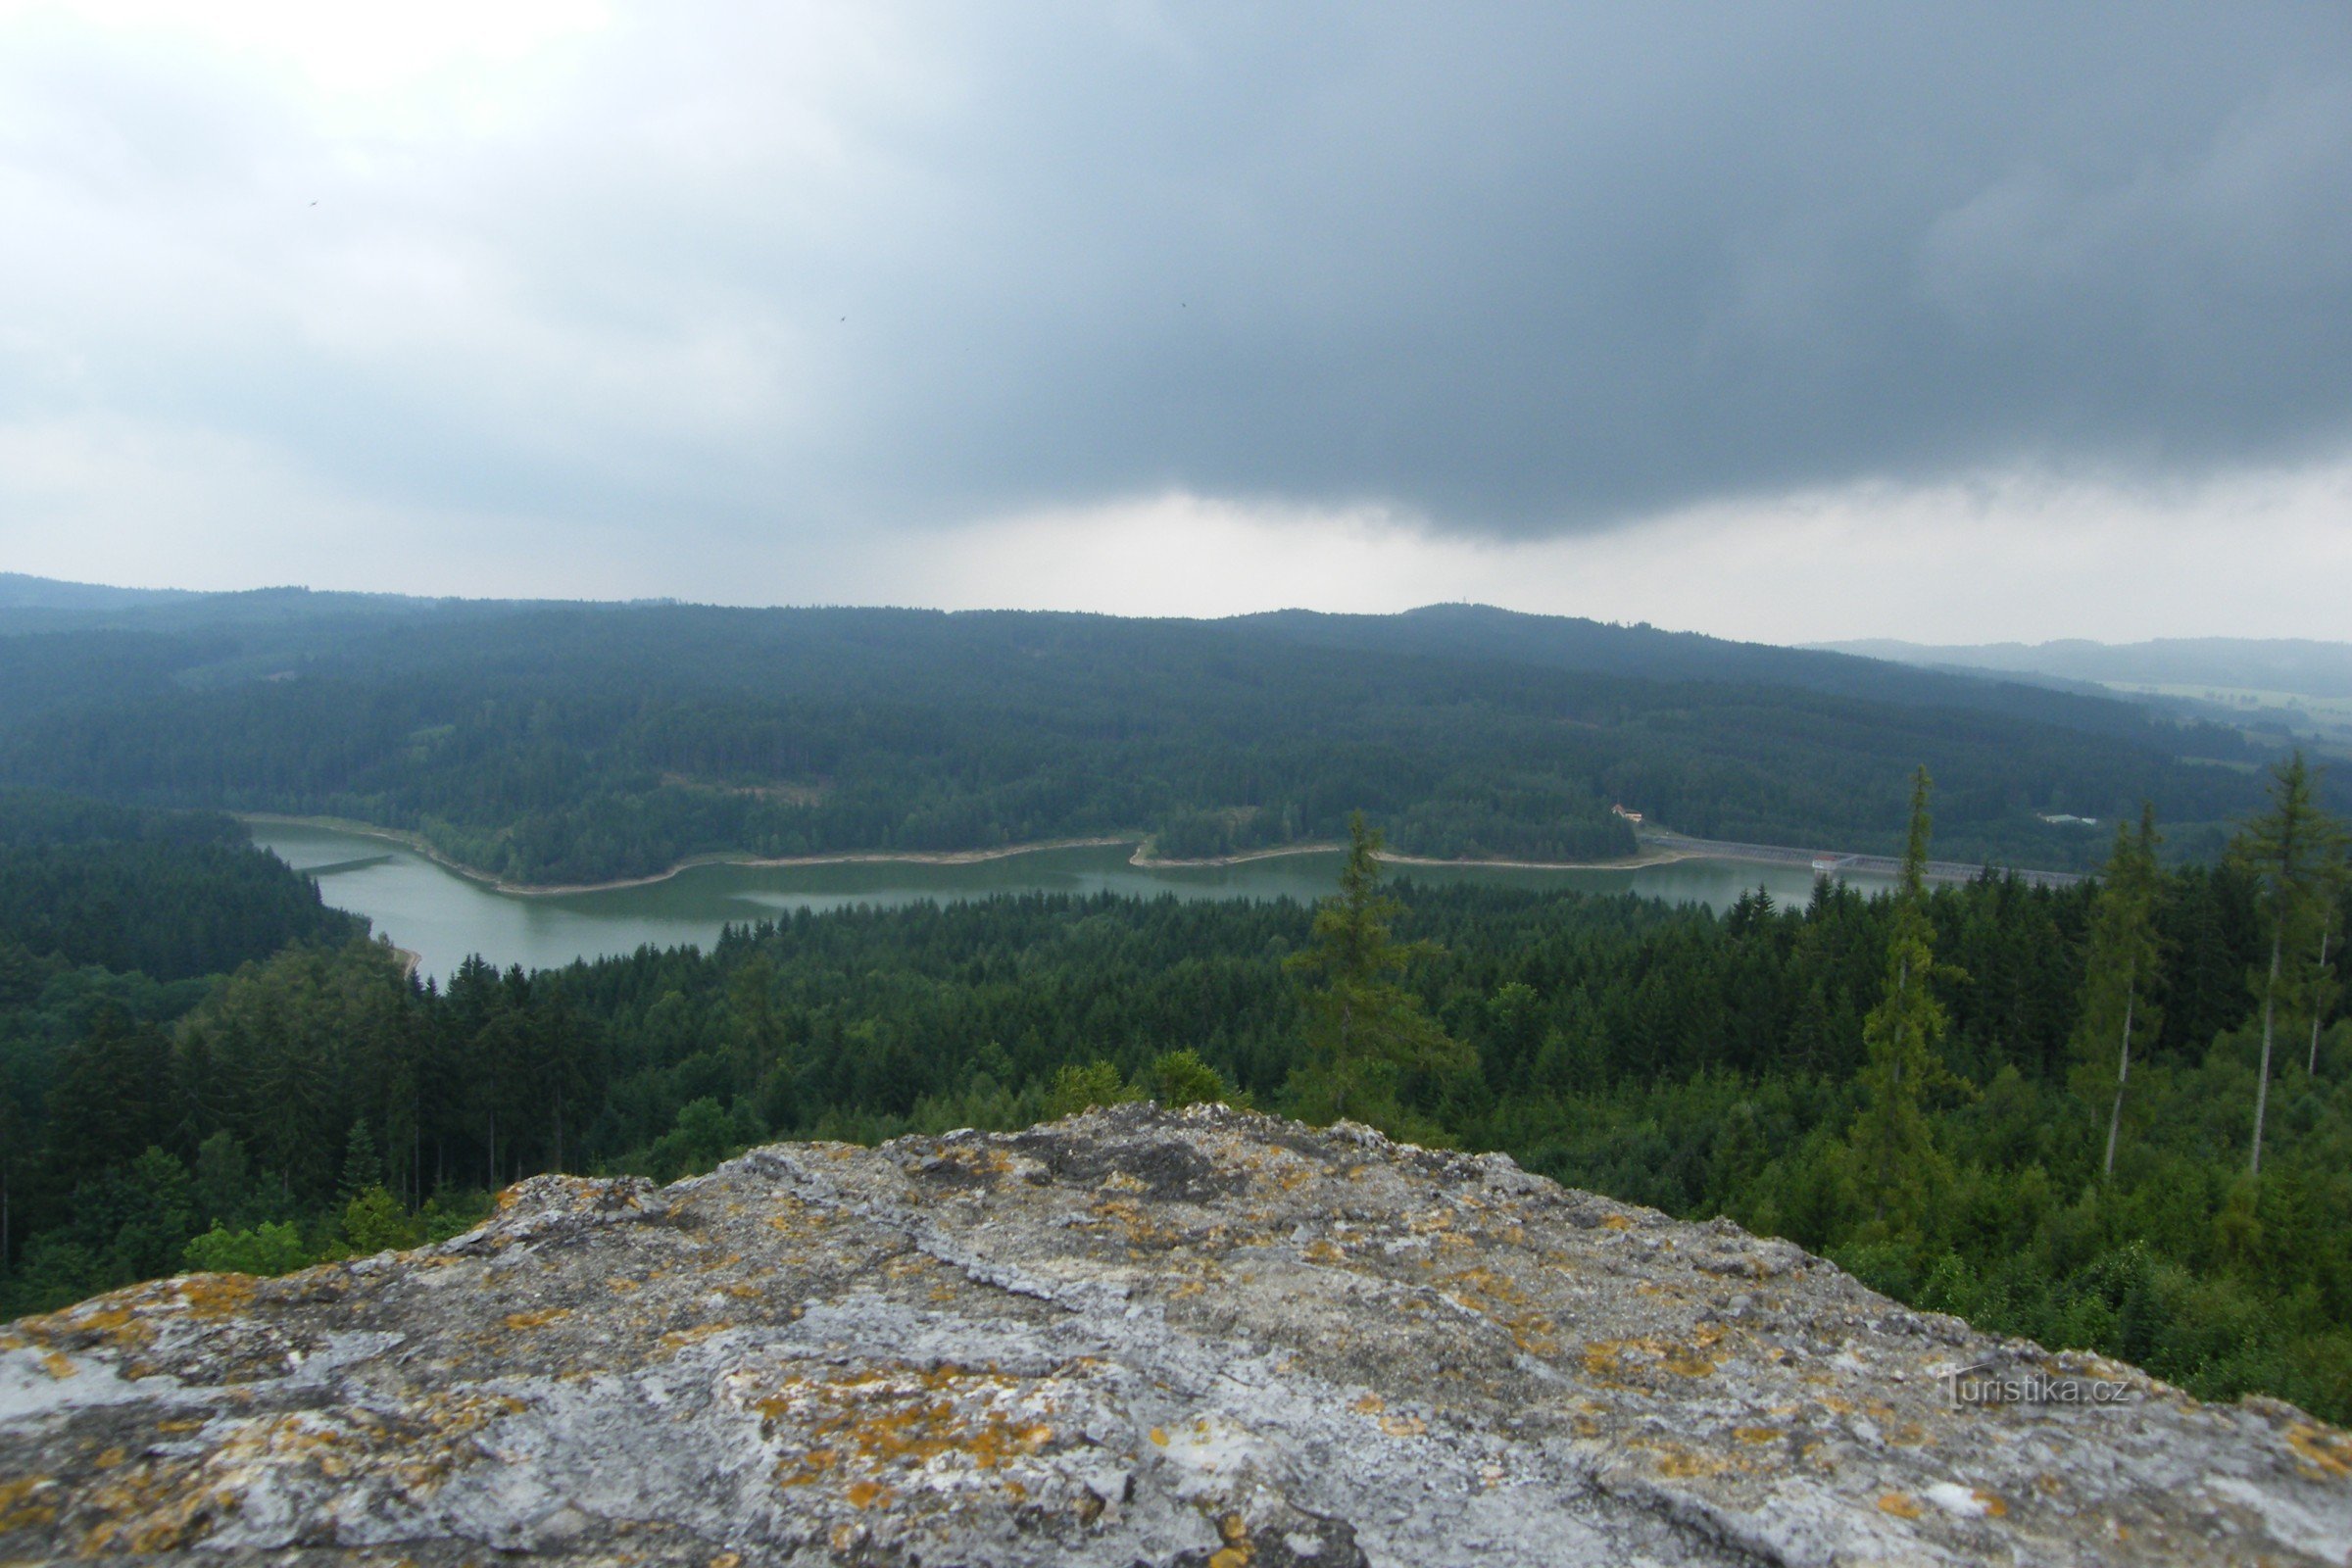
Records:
x=1203, y=1338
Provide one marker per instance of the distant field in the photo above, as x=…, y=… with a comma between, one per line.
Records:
x=2326, y=719
x=2338, y=708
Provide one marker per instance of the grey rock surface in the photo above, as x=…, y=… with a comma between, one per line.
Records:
x=1207, y=1338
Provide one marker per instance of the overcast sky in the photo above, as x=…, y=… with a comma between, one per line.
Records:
x=1783, y=322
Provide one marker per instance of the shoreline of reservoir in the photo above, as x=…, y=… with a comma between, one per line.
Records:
x=429, y=908
x=417, y=843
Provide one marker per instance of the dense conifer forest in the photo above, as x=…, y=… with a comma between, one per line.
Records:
x=555, y=744
x=170, y=895
x=1924, y=1084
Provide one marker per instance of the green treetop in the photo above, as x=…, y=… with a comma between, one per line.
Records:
x=1364, y=1030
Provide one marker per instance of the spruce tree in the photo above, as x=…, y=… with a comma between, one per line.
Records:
x=363, y=1167
x=1364, y=1030
x=2122, y=965
x=1893, y=1143
x=2294, y=849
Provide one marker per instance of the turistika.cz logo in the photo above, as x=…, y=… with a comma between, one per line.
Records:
x=1983, y=1383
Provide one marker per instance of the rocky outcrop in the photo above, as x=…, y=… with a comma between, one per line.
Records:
x=1204, y=1337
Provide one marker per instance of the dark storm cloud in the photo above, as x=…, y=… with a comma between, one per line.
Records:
x=1523, y=270
x=1515, y=269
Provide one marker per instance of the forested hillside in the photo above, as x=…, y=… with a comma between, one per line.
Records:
x=574, y=743
x=319, y=1101
x=166, y=895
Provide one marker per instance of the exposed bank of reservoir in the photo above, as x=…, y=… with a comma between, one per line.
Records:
x=443, y=915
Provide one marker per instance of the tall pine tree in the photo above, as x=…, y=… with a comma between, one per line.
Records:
x=2121, y=966
x=2293, y=849
x=1893, y=1146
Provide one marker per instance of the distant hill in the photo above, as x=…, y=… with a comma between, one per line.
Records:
x=19, y=592
x=1570, y=643
x=2293, y=666
x=550, y=742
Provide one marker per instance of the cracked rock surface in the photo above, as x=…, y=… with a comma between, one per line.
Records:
x=1203, y=1338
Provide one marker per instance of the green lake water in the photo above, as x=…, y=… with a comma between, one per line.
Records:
x=444, y=917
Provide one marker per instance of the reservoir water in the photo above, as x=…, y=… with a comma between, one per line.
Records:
x=443, y=916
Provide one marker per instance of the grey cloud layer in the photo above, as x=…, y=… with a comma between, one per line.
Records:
x=1514, y=269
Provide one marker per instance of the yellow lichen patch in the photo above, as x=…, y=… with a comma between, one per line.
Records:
x=146, y=1506
x=1618, y=1358
x=813, y=1465
x=1237, y=1551
x=2329, y=1454
x=58, y=1364
x=1159, y=1436
x=1324, y=1251
x=126, y=1319
x=25, y=1502
x=1679, y=1463
x=1604, y=1358
x=112, y=1324
x=1616, y=1222
x=1369, y=1405
x=679, y=1338
x=1900, y=1504
x=1403, y=1426
x=215, y=1295
x=1498, y=1298
x=1756, y=1434
x=622, y=1285
x=1994, y=1507
x=538, y=1319
x=794, y=1217
x=878, y=1431
x=1138, y=1228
